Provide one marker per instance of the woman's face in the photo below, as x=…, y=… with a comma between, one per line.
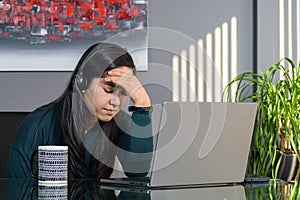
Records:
x=105, y=98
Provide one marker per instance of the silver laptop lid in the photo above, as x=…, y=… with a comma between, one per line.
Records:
x=203, y=143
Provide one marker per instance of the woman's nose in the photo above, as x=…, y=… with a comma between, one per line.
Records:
x=115, y=99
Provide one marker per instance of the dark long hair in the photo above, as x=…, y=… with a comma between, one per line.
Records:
x=96, y=60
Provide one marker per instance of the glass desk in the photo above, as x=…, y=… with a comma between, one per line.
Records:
x=17, y=189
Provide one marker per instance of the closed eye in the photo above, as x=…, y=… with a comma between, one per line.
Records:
x=108, y=91
x=108, y=88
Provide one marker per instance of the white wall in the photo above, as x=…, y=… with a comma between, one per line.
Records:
x=192, y=19
x=183, y=24
x=278, y=31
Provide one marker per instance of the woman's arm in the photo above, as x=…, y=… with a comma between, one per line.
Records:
x=18, y=165
x=136, y=145
x=41, y=127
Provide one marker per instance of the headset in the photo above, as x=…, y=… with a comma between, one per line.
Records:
x=81, y=81
x=82, y=84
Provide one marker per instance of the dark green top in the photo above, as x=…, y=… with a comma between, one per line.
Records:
x=42, y=127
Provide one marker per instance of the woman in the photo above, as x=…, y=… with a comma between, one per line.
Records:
x=88, y=118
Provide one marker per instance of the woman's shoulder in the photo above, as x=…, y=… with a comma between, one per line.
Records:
x=42, y=117
x=33, y=123
x=46, y=110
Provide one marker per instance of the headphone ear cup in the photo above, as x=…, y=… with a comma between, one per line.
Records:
x=81, y=81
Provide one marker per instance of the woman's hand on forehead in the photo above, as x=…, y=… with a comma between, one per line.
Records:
x=124, y=77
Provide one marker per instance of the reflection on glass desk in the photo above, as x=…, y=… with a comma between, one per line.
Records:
x=90, y=189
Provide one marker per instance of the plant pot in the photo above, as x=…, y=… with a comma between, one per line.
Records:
x=288, y=167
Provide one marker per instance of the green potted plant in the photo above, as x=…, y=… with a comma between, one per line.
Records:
x=276, y=136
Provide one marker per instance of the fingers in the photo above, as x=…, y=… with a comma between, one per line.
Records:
x=122, y=80
x=119, y=74
x=120, y=71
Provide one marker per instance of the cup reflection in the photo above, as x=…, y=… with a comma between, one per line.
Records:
x=55, y=192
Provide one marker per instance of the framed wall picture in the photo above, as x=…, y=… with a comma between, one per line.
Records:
x=44, y=35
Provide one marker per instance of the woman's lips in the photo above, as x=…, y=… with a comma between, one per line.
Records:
x=109, y=111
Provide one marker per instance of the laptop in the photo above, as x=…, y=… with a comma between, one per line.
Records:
x=198, y=143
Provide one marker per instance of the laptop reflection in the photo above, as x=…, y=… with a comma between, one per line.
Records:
x=233, y=192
